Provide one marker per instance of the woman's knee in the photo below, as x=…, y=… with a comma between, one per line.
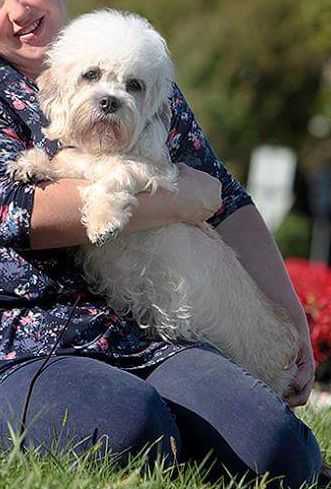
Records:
x=78, y=401
x=294, y=453
x=155, y=432
x=243, y=413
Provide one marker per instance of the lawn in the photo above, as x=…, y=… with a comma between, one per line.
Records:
x=31, y=472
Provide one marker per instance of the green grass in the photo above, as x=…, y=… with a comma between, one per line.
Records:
x=30, y=471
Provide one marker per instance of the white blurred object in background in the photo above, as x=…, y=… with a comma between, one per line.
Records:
x=271, y=181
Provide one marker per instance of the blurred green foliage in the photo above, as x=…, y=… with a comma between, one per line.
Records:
x=255, y=71
x=294, y=236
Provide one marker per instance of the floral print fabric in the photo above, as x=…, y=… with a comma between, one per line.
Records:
x=38, y=288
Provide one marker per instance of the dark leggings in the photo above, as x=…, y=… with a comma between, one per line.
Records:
x=193, y=403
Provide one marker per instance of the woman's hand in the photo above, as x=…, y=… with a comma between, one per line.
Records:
x=198, y=196
x=304, y=380
x=197, y=199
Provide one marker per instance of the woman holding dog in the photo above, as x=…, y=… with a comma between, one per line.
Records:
x=112, y=380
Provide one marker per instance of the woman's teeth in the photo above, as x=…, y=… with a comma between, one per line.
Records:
x=31, y=28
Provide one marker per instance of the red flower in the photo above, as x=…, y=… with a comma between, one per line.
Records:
x=312, y=282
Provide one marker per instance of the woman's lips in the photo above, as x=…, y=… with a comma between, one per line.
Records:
x=31, y=32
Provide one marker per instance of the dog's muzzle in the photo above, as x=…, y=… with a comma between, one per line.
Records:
x=109, y=104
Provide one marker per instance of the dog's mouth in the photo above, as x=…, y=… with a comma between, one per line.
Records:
x=105, y=136
x=98, y=132
x=117, y=130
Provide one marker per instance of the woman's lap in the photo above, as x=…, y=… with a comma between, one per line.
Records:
x=218, y=407
x=77, y=400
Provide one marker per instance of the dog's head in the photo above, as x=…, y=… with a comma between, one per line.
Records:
x=108, y=76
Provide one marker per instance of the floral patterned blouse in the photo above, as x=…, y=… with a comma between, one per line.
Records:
x=38, y=288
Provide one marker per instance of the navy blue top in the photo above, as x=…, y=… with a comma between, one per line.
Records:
x=38, y=288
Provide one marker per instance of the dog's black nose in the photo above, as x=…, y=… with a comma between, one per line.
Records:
x=109, y=104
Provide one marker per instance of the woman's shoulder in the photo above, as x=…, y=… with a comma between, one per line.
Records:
x=177, y=102
x=19, y=99
x=17, y=96
x=17, y=92
x=12, y=80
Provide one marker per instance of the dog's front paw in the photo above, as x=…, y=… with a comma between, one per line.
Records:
x=107, y=236
x=101, y=231
x=104, y=219
x=160, y=182
x=32, y=166
x=19, y=171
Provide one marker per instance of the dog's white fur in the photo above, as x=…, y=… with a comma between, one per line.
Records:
x=177, y=280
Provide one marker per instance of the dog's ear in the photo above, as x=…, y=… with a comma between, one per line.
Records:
x=52, y=104
x=156, y=133
x=158, y=96
x=164, y=114
x=160, y=91
x=162, y=123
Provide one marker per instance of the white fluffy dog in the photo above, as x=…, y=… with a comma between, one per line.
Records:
x=105, y=93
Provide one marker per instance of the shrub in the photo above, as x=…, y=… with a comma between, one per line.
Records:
x=294, y=235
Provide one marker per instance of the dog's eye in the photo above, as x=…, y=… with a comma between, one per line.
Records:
x=92, y=75
x=134, y=85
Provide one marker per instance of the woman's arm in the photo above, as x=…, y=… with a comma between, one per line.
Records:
x=246, y=232
x=241, y=226
x=56, y=217
x=15, y=198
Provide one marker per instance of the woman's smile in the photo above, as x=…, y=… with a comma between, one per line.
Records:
x=32, y=34
x=26, y=29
